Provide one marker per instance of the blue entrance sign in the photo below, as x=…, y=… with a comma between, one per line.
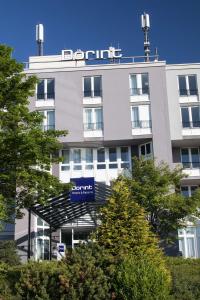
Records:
x=83, y=189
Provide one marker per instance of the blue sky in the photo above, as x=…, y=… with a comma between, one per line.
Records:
x=92, y=24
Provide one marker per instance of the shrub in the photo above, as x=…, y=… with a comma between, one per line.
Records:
x=139, y=278
x=185, y=278
x=8, y=253
x=80, y=276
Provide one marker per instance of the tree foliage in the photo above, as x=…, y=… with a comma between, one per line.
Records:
x=26, y=152
x=124, y=228
x=157, y=189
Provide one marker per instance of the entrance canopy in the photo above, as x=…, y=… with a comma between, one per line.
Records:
x=61, y=210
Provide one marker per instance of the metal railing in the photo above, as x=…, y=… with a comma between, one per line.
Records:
x=45, y=96
x=191, y=124
x=93, y=93
x=191, y=165
x=141, y=124
x=190, y=92
x=139, y=91
x=93, y=126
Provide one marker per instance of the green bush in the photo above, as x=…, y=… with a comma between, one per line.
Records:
x=79, y=276
x=139, y=278
x=185, y=278
x=8, y=253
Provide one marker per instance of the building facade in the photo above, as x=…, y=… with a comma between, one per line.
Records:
x=113, y=112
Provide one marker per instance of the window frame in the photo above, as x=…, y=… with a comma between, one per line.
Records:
x=92, y=86
x=45, y=92
x=139, y=88
x=188, y=91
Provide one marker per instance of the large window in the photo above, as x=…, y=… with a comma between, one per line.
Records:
x=188, y=190
x=187, y=85
x=140, y=116
x=92, y=86
x=48, y=120
x=45, y=89
x=190, y=157
x=139, y=84
x=93, y=118
x=92, y=158
x=190, y=116
x=146, y=151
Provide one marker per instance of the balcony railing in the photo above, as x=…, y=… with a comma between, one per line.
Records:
x=93, y=94
x=93, y=126
x=190, y=92
x=193, y=124
x=45, y=96
x=48, y=127
x=139, y=91
x=191, y=165
x=141, y=124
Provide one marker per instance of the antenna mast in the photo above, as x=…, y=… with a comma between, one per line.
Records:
x=145, y=24
x=40, y=38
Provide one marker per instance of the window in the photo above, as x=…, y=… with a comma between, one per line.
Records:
x=190, y=116
x=140, y=116
x=139, y=84
x=112, y=158
x=45, y=89
x=187, y=85
x=188, y=190
x=49, y=119
x=101, y=158
x=89, y=158
x=124, y=158
x=190, y=157
x=93, y=118
x=77, y=159
x=145, y=150
x=92, y=86
x=95, y=159
x=65, y=162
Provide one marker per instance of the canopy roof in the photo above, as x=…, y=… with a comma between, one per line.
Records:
x=61, y=210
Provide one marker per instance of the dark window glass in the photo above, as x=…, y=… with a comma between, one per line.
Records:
x=195, y=116
x=97, y=86
x=65, y=155
x=40, y=89
x=192, y=84
x=100, y=167
x=145, y=84
x=195, y=157
x=39, y=221
x=87, y=87
x=112, y=154
x=193, y=188
x=185, y=158
x=148, y=148
x=101, y=155
x=125, y=166
x=64, y=168
x=182, y=86
x=50, y=89
x=113, y=166
x=185, y=117
x=143, y=151
x=124, y=153
x=185, y=191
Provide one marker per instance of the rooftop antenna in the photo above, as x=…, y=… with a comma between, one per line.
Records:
x=40, y=38
x=145, y=24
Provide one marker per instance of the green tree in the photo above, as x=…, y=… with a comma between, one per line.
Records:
x=124, y=228
x=157, y=189
x=26, y=152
